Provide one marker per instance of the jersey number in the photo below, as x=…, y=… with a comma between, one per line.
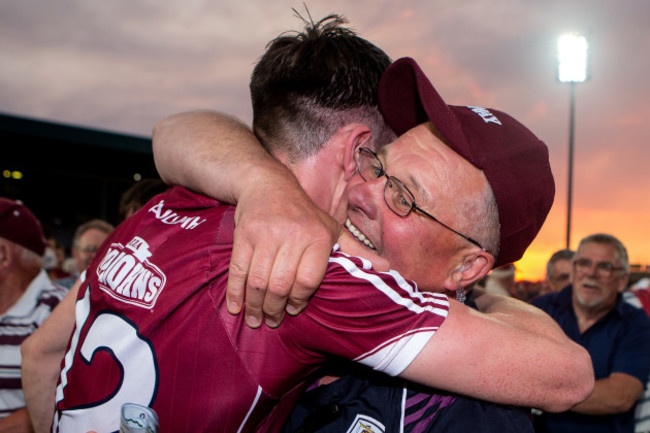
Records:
x=133, y=353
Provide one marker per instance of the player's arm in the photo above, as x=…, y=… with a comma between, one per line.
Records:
x=42, y=353
x=511, y=353
x=282, y=240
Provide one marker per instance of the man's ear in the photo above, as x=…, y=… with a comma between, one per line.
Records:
x=5, y=254
x=358, y=137
x=475, y=265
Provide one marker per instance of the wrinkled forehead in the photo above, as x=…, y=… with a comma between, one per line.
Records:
x=598, y=252
x=425, y=161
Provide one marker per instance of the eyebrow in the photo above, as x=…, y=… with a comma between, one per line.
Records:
x=418, y=190
x=410, y=181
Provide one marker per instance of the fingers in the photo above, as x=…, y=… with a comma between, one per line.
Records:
x=257, y=285
x=281, y=281
x=242, y=253
x=310, y=273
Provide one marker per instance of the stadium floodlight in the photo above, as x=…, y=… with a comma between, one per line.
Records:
x=572, y=69
x=572, y=58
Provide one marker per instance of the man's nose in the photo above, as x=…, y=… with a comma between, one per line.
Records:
x=367, y=197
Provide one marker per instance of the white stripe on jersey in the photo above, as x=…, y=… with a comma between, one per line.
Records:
x=439, y=303
x=257, y=398
x=393, y=356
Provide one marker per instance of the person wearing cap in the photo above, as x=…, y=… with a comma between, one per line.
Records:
x=202, y=368
x=26, y=298
x=593, y=313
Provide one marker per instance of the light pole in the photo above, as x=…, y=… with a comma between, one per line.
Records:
x=572, y=69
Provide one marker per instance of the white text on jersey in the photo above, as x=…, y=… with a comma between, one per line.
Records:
x=170, y=217
x=126, y=274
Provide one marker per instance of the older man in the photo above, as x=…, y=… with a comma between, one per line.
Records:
x=26, y=298
x=86, y=240
x=592, y=312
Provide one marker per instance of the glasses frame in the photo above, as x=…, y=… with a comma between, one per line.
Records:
x=602, y=269
x=400, y=185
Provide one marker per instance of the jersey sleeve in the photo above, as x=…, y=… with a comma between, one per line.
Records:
x=377, y=319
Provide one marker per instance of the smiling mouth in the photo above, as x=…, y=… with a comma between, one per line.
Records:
x=357, y=234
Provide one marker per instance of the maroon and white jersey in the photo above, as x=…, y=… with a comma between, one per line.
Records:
x=152, y=328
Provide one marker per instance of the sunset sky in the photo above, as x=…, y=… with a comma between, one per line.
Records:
x=121, y=65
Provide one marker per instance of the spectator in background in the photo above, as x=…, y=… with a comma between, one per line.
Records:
x=54, y=257
x=27, y=297
x=501, y=281
x=137, y=195
x=86, y=240
x=617, y=336
x=638, y=295
x=558, y=270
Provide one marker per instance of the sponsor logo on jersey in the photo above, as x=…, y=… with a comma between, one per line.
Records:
x=366, y=424
x=167, y=216
x=485, y=115
x=126, y=274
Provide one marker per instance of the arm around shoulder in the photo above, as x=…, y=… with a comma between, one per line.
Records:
x=212, y=153
x=513, y=353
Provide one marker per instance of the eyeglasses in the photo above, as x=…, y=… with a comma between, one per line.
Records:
x=397, y=196
x=603, y=269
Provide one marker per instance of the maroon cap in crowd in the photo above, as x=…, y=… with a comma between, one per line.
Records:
x=19, y=225
x=514, y=160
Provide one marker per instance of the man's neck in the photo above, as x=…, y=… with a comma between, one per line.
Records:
x=588, y=316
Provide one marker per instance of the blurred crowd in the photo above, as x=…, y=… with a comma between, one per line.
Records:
x=36, y=271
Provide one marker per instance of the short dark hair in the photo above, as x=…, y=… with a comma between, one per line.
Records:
x=137, y=195
x=310, y=83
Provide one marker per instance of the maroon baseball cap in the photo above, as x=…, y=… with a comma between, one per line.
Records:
x=514, y=160
x=19, y=225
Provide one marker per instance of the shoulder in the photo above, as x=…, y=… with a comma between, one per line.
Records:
x=634, y=315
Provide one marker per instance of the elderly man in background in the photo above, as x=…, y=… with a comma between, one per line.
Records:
x=26, y=298
x=617, y=336
x=85, y=242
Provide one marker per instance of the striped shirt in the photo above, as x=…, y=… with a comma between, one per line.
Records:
x=16, y=324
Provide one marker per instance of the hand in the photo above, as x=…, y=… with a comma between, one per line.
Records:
x=282, y=243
